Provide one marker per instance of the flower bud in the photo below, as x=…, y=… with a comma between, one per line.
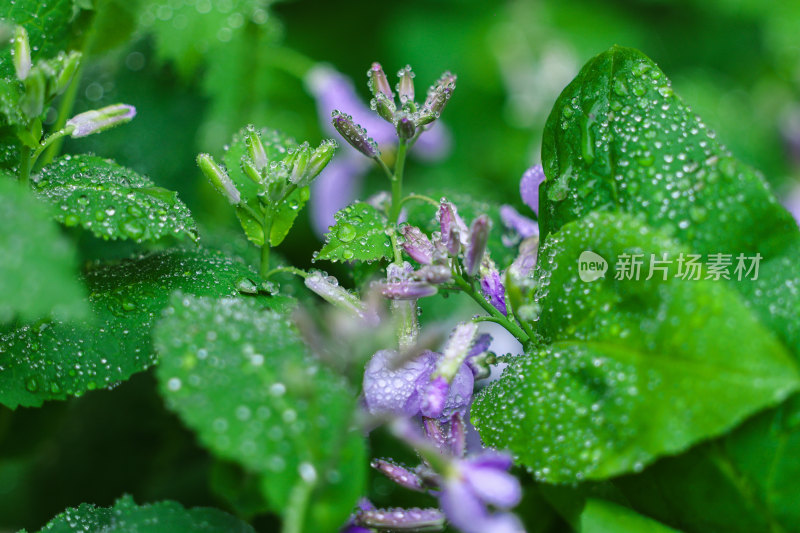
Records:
x=32, y=102
x=70, y=65
x=398, y=519
x=407, y=290
x=354, y=134
x=320, y=158
x=328, y=288
x=251, y=171
x=218, y=178
x=406, y=128
x=384, y=107
x=22, y=53
x=399, y=474
x=405, y=87
x=435, y=274
x=98, y=120
x=456, y=350
x=453, y=228
x=494, y=290
x=417, y=245
x=529, y=187
x=300, y=164
x=476, y=246
x=256, y=149
x=378, y=83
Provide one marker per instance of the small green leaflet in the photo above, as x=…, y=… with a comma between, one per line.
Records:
x=276, y=145
x=125, y=516
x=600, y=516
x=359, y=234
x=54, y=360
x=239, y=375
x=112, y=201
x=631, y=370
x=282, y=221
x=38, y=267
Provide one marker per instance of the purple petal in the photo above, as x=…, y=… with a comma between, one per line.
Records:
x=476, y=246
x=523, y=225
x=460, y=396
x=503, y=523
x=417, y=244
x=480, y=346
x=494, y=486
x=462, y=506
x=494, y=290
x=529, y=187
x=394, y=391
x=454, y=230
x=458, y=435
x=491, y=459
x=526, y=260
x=434, y=398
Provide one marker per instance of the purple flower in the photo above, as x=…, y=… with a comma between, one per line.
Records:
x=494, y=290
x=526, y=260
x=792, y=203
x=417, y=245
x=472, y=485
x=522, y=225
x=407, y=290
x=453, y=228
x=328, y=288
x=399, y=474
x=97, y=120
x=338, y=183
x=435, y=397
x=529, y=187
x=351, y=526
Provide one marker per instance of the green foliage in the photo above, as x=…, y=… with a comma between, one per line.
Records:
x=276, y=145
x=125, y=516
x=111, y=201
x=240, y=376
x=632, y=369
x=359, y=234
x=38, y=271
x=602, y=517
x=54, y=360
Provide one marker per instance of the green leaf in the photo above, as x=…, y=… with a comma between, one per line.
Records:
x=619, y=139
x=239, y=375
x=632, y=370
x=125, y=516
x=38, y=267
x=602, y=517
x=282, y=221
x=743, y=482
x=276, y=144
x=359, y=234
x=54, y=360
x=112, y=201
x=52, y=26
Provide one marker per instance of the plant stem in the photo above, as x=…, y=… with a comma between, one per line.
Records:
x=289, y=269
x=397, y=182
x=265, y=248
x=420, y=197
x=25, y=165
x=512, y=327
x=295, y=510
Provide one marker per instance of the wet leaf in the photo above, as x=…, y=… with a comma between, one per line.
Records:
x=282, y=222
x=619, y=139
x=632, y=369
x=54, y=360
x=125, y=516
x=743, y=482
x=239, y=375
x=601, y=517
x=38, y=267
x=111, y=201
x=359, y=234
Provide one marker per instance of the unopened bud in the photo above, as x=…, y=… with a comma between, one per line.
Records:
x=218, y=178
x=398, y=519
x=300, y=164
x=405, y=87
x=406, y=128
x=456, y=350
x=384, y=106
x=399, y=474
x=354, y=134
x=32, y=102
x=70, y=66
x=476, y=246
x=435, y=274
x=256, y=149
x=378, y=83
x=22, y=53
x=320, y=158
x=328, y=289
x=251, y=171
x=407, y=290
x=98, y=120
x=417, y=244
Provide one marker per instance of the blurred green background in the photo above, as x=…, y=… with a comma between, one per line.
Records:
x=198, y=70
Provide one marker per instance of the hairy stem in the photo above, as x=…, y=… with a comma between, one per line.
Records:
x=265, y=248
x=397, y=182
